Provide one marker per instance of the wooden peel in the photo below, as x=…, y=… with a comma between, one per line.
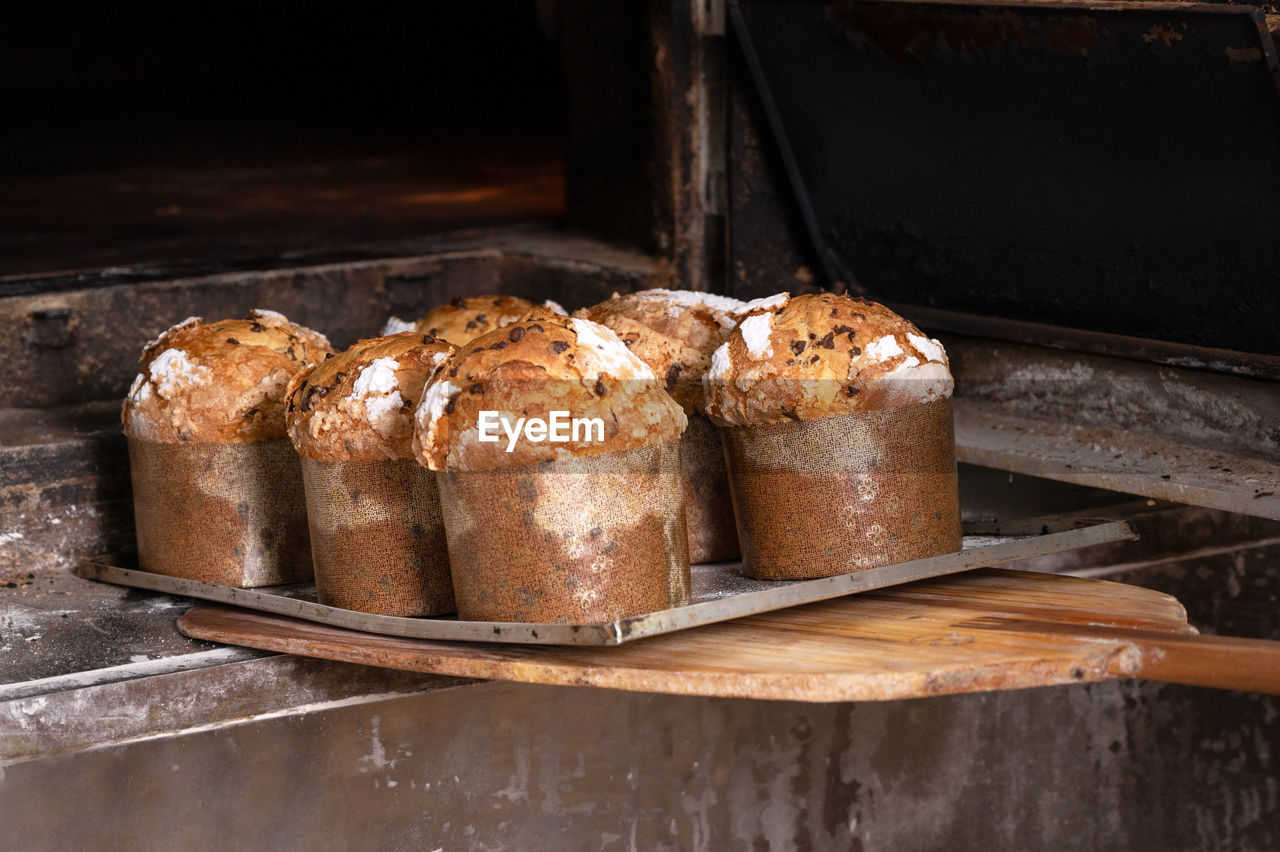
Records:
x=989, y=629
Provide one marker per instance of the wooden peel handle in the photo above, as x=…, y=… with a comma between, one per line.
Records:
x=1221, y=662
x=1191, y=659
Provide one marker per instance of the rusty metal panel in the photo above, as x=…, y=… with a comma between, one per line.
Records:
x=644, y=139
x=1106, y=166
x=1165, y=432
x=509, y=766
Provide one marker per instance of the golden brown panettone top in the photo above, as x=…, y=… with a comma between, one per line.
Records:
x=358, y=405
x=820, y=355
x=461, y=320
x=529, y=370
x=219, y=382
x=673, y=331
x=548, y=311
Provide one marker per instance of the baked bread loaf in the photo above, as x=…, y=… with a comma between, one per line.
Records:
x=673, y=331
x=461, y=320
x=586, y=527
x=839, y=404
x=530, y=369
x=821, y=355
x=377, y=531
x=358, y=405
x=217, y=489
x=219, y=382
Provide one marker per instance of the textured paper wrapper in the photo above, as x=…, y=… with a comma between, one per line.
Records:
x=232, y=514
x=824, y=497
x=713, y=536
x=583, y=541
x=377, y=537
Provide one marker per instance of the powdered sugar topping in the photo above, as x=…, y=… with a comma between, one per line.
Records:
x=172, y=370
x=767, y=303
x=555, y=306
x=263, y=313
x=601, y=352
x=395, y=325
x=376, y=377
x=432, y=407
x=912, y=382
x=692, y=298
x=930, y=349
x=721, y=364
x=883, y=349
x=378, y=387
x=140, y=390
x=756, y=331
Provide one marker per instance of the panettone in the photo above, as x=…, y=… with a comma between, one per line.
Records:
x=530, y=369
x=821, y=355
x=838, y=437
x=220, y=381
x=377, y=533
x=463, y=319
x=358, y=405
x=586, y=529
x=675, y=332
x=217, y=488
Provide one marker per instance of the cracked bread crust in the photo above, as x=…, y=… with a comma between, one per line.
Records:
x=530, y=369
x=673, y=331
x=461, y=320
x=358, y=405
x=821, y=355
x=219, y=382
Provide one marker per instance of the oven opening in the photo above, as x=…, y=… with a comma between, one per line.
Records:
x=240, y=133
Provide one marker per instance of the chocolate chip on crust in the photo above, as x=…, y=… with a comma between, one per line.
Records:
x=673, y=376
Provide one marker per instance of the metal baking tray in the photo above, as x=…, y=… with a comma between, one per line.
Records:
x=720, y=591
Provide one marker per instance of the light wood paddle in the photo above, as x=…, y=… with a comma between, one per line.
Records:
x=984, y=630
